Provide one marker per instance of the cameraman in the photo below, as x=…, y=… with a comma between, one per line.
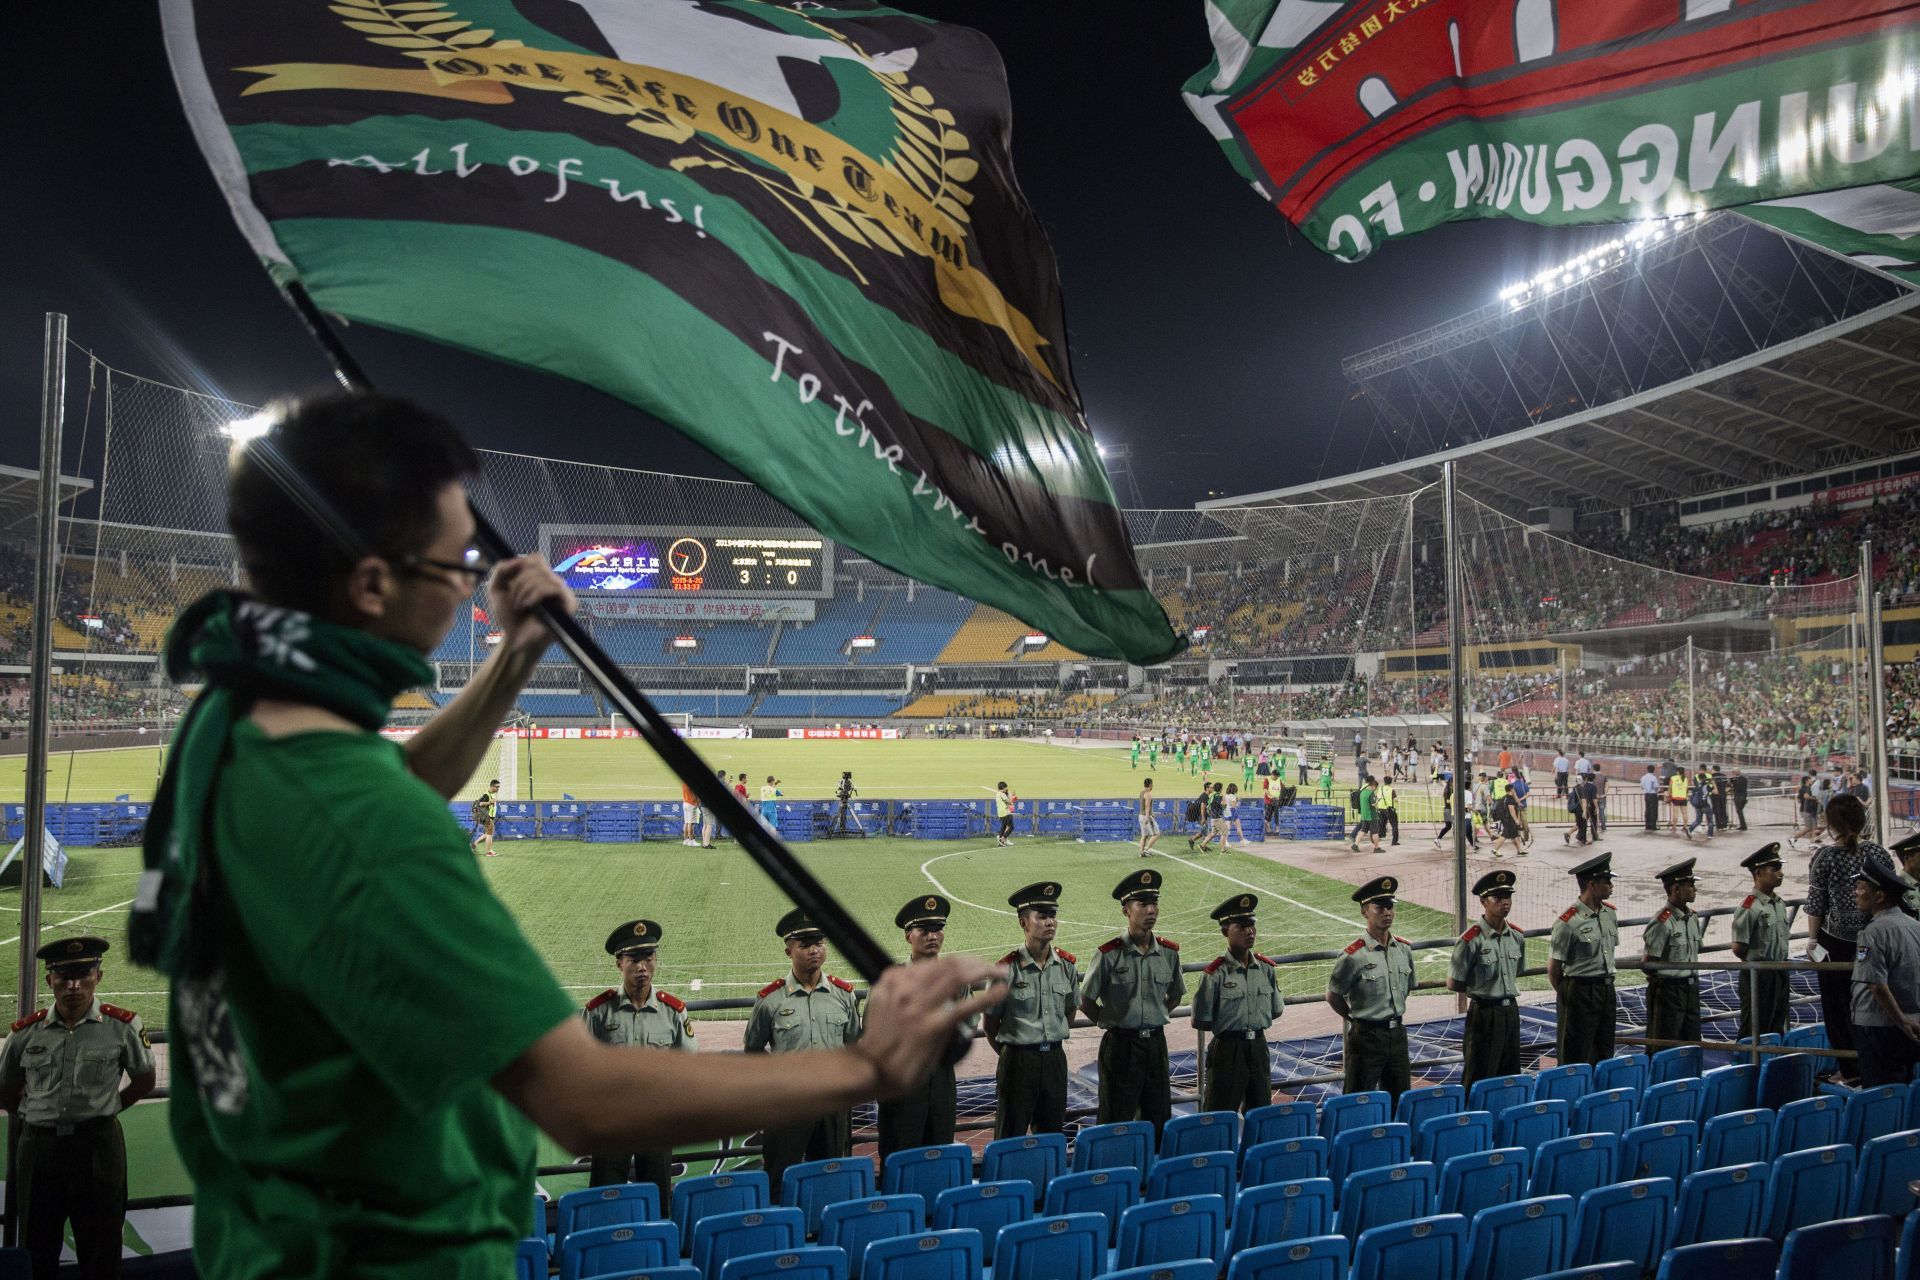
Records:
x=845, y=793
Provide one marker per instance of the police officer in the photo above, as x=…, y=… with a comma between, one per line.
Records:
x=60, y=1076
x=1907, y=852
x=1886, y=978
x=637, y=1013
x=1760, y=933
x=1131, y=992
x=1486, y=966
x=1237, y=999
x=1369, y=989
x=807, y=1009
x=1675, y=933
x=924, y=1117
x=1580, y=966
x=1029, y=1028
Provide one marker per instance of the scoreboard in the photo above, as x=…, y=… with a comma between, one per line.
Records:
x=631, y=561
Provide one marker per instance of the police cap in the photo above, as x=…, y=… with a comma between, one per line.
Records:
x=1678, y=873
x=65, y=955
x=1884, y=877
x=1041, y=893
x=1494, y=884
x=1380, y=889
x=929, y=912
x=796, y=924
x=1767, y=855
x=635, y=937
x=1598, y=867
x=1139, y=886
x=1238, y=909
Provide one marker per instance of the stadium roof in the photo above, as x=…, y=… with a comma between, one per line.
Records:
x=20, y=496
x=1690, y=372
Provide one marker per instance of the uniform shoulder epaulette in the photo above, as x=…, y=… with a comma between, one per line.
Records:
x=1354, y=946
x=1402, y=941
x=1269, y=961
x=841, y=983
x=1215, y=966
x=1748, y=900
x=672, y=1002
x=29, y=1020
x=1569, y=913
x=1011, y=956
x=770, y=988
x=115, y=1011
x=602, y=998
x=1065, y=955
x=1168, y=943
x=1665, y=913
x=1609, y=906
x=1470, y=934
x=1111, y=944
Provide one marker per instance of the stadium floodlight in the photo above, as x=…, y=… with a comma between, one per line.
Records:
x=1599, y=259
x=250, y=428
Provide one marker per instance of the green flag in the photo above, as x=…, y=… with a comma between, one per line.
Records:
x=1876, y=227
x=793, y=233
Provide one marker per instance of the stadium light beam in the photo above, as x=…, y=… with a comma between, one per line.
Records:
x=248, y=429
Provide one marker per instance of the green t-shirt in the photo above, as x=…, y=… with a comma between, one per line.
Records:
x=338, y=1119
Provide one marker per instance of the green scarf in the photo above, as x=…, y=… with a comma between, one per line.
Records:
x=245, y=651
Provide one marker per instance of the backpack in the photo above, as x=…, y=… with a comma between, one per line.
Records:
x=1194, y=810
x=481, y=809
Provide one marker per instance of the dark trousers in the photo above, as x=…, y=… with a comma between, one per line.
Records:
x=1133, y=1078
x=1560, y=784
x=1389, y=820
x=1492, y=1046
x=1376, y=1058
x=1586, y=1014
x=1673, y=1010
x=822, y=1139
x=79, y=1177
x=1006, y=827
x=1303, y=775
x=1836, y=999
x=1769, y=1000
x=922, y=1118
x=1720, y=813
x=1239, y=1073
x=1653, y=810
x=1887, y=1055
x=1740, y=811
x=1031, y=1089
x=611, y=1169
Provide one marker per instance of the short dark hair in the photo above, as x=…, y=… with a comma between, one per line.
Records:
x=1847, y=816
x=371, y=457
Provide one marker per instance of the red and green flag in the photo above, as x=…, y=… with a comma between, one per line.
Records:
x=792, y=232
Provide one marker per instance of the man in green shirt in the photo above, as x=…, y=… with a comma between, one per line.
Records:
x=1131, y=992
x=1580, y=966
x=1153, y=754
x=637, y=1013
x=1238, y=1000
x=363, y=1039
x=1760, y=933
x=1029, y=1028
x=1133, y=758
x=1674, y=933
x=1486, y=969
x=1369, y=817
x=484, y=809
x=1369, y=987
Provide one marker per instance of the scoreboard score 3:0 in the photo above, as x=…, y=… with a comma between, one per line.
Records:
x=629, y=561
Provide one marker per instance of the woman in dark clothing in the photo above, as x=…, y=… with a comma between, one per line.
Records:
x=1834, y=920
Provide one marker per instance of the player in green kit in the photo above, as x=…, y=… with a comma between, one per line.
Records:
x=1206, y=761
x=1153, y=755
x=1133, y=761
x=1326, y=779
x=1246, y=772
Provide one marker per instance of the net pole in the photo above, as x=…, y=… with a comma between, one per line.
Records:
x=1456, y=648
x=1876, y=695
x=1562, y=744
x=1853, y=681
x=1693, y=740
x=53, y=398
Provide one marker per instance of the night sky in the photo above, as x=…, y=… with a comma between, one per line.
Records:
x=1205, y=332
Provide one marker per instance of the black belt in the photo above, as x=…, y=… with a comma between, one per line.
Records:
x=65, y=1130
x=1045, y=1046
x=1607, y=981
x=1673, y=977
x=1388, y=1023
x=1496, y=1002
x=1237, y=1035
x=1137, y=1033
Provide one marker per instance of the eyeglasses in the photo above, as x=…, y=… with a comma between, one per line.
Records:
x=473, y=565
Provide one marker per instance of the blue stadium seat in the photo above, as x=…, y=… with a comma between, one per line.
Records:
x=984, y=1206
x=1520, y=1240
x=1857, y=1248
x=1572, y=1082
x=1907, y=1259
x=1496, y=1093
x=1746, y=1259
x=1808, y=1187
x=926, y=1171
x=1179, y=1177
x=854, y=1224
x=606, y=1207
x=808, y=1262
x=1626, y=1071
x=1281, y=1211
x=1202, y=1131
x=1172, y=1231
x=1313, y=1258
x=619, y=1247
x=1574, y=1165
x=1069, y=1247
x=1729, y=1089
x=1352, y=1111
x=1606, y=1111
x=1659, y=1150
x=1873, y=1113
x=1532, y=1123
x=1275, y=1122
x=1678, y=1063
x=682, y=1271
x=1913, y=1105
x=695, y=1198
x=1429, y=1247
x=1376, y=1197
x=929, y=1255
x=719, y=1236
x=1810, y=1122
x=1623, y=1222
x=1108, y=1192
x=1598, y=1271
x=1887, y=1165
x=1785, y=1078
x=1036, y=1158
x=1721, y=1204
x=1114, y=1146
x=1470, y=1183
x=1441, y=1138
x=1369, y=1148
x=1738, y=1137
x=530, y=1261
x=1673, y=1100
x=1811, y=1036
x=812, y=1185
x=1416, y=1106
x=1284, y=1160
x=1194, y=1269
x=539, y=1217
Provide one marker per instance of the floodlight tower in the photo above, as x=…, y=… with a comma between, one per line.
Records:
x=1118, y=460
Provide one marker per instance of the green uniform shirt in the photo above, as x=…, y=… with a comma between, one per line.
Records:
x=1374, y=977
x=1366, y=804
x=1675, y=934
x=1583, y=941
x=73, y=1073
x=1040, y=997
x=1130, y=988
x=1760, y=922
x=331, y=1092
x=788, y=1017
x=1487, y=961
x=1235, y=997
x=661, y=1022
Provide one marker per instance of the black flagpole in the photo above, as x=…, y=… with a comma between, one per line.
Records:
x=765, y=848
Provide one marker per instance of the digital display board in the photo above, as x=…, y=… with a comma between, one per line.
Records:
x=666, y=561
